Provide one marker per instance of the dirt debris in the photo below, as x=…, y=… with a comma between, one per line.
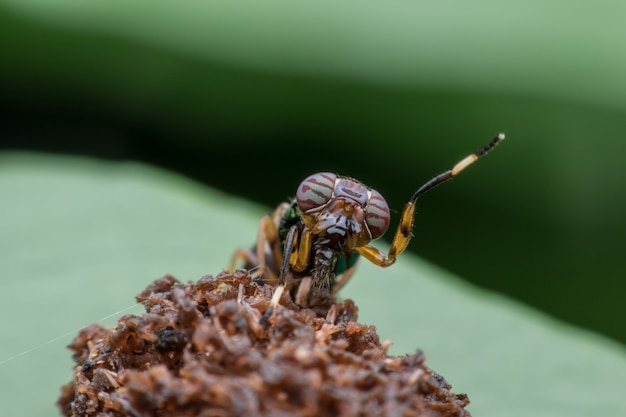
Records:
x=200, y=351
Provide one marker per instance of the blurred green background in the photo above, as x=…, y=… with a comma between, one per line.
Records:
x=251, y=97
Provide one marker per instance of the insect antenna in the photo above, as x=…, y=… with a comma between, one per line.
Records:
x=460, y=166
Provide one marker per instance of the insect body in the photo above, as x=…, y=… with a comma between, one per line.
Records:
x=314, y=241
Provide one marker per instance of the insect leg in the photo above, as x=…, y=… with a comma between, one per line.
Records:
x=245, y=257
x=267, y=235
x=304, y=289
x=403, y=233
x=299, y=259
x=289, y=243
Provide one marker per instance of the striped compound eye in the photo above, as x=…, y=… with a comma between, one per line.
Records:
x=377, y=215
x=315, y=191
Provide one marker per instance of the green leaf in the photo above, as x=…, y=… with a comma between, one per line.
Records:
x=531, y=47
x=80, y=238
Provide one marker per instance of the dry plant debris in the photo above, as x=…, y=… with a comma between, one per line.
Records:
x=200, y=350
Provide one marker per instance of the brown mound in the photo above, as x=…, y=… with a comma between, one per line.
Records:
x=199, y=350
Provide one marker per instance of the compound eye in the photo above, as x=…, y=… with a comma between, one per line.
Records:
x=377, y=215
x=315, y=191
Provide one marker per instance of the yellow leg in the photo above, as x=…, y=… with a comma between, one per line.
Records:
x=398, y=245
x=267, y=236
x=246, y=258
x=403, y=233
x=302, y=294
x=299, y=258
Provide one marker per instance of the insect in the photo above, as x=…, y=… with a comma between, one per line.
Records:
x=313, y=242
